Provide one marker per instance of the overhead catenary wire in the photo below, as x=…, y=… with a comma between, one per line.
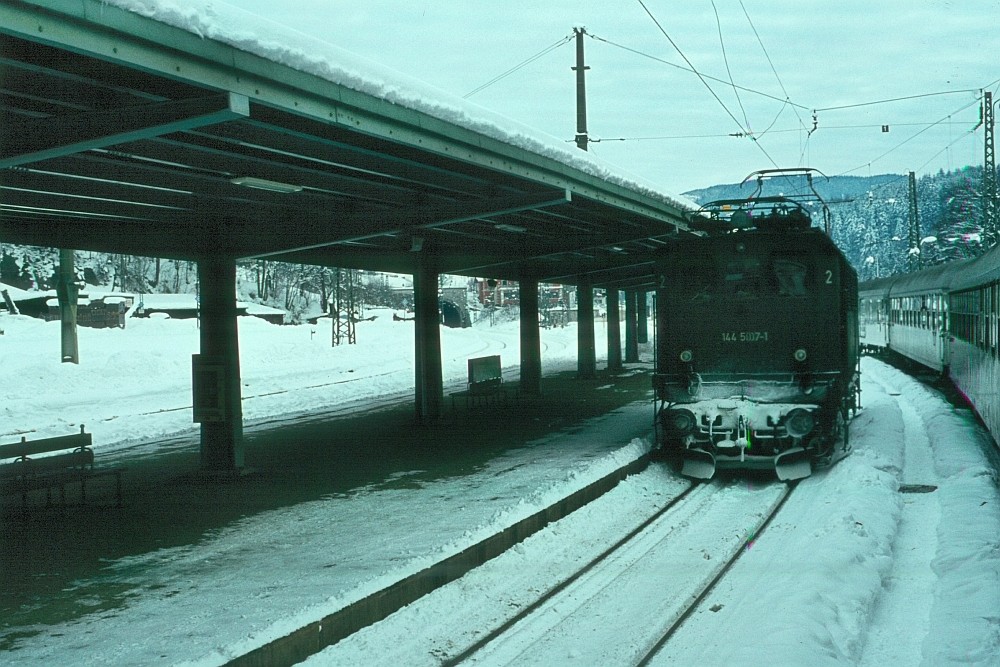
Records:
x=692, y=71
x=911, y=138
x=897, y=99
x=902, y=177
x=770, y=62
x=787, y=100
x=729, y=71
x=691, y=66
x=745, y=131
x=794, y=107
x=523, y=63
x=705, y=82
x=789, y=130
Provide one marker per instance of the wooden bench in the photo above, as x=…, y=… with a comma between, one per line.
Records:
x=485, y=382
x=28, y=472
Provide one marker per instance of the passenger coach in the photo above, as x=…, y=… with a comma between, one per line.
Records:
x=947, y=318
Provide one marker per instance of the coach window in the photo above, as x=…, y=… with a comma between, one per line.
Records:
x=988, y=317
x=969, y=317
x=980, y=319
x=984, y=319
x=996, y=315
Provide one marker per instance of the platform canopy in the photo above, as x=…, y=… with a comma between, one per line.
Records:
x=135, y=134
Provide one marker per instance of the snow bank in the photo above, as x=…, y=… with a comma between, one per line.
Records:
x=965, y=623
x=807, y=591
x=134, y=384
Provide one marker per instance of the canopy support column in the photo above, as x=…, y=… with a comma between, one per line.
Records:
x=429, y=385
x=643, y=336
x=67, y=292
x=531, y=342
x=586, y=355
x=216, y=371
x=631, y=328
x=614, y=331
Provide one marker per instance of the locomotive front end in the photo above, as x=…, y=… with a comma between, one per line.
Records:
x=753, y=352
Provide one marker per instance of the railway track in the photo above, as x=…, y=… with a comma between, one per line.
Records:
x=622, y=606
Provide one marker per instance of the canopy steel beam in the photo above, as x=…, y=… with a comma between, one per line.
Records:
x=27, y=140
x=557, y=250
x=358, y=227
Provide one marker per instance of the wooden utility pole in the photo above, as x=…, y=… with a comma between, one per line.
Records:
x=581, y=91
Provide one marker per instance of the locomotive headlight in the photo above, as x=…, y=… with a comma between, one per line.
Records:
x=799, y=423
x=679, y=422
x=800, y=355
x=687, y=356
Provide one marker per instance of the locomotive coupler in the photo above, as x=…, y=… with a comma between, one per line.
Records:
x=742, y=436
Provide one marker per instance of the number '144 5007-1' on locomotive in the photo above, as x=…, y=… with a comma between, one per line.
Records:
x=757, y=342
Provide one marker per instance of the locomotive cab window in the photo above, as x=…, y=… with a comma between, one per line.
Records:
x=745, y=273
x=743, y=277
x=791, y=277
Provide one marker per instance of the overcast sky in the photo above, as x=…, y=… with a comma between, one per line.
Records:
x=789, y=57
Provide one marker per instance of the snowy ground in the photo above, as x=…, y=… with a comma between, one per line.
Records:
x=851, y=572
x=135, y=383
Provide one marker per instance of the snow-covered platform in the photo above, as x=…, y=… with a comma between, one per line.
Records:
x=332, y=511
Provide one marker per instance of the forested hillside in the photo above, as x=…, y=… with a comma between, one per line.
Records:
x=870, y=215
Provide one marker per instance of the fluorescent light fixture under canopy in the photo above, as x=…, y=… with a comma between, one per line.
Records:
x=516, y=229
x=264, y=184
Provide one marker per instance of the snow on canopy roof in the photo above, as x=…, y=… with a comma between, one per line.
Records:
x=248, y=32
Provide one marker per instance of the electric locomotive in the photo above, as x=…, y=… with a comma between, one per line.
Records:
x=757, y=350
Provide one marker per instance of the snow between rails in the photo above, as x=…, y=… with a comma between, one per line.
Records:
x=807, y=590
